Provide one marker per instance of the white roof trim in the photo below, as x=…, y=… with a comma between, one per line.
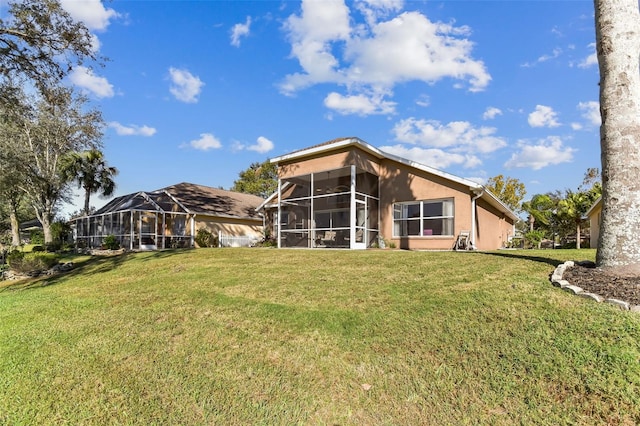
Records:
x=593, y=207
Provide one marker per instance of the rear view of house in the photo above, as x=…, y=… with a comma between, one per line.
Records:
x=348, y=194
x=170, y=217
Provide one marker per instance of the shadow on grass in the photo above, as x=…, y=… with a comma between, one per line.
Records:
x=91, y=266
x=519, y=255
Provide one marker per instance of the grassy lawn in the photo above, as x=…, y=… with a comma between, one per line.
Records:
x=264, y=336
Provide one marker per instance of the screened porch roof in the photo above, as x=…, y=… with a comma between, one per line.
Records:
x=188, y=198
x=157, y=201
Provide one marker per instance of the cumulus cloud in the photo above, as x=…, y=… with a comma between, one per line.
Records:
x=91, y=12
x=358, y=104
x=457, y=136
x=591, y=112
x=132, y=129
x=206, y=142
x=374, y=57
x=491, y=113
x=238, y=31
x=84, y=78
x=591, y=60
x=433, y=157
x=262, y=145
x=185, y=86
x=546, y=152
x=543, y=116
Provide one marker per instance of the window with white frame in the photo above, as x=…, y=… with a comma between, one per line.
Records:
x=423, y=218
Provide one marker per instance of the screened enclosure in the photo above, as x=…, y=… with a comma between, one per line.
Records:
x=141, y=221
x=330, y=209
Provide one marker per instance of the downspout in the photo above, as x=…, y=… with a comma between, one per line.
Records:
x=478, y=193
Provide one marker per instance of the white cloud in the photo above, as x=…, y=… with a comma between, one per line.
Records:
x=186, y=87
x=206, y=142
x=423, y=101
x=132, y=129
x=546, y=152
x=358, y=104
x=491, y=113
x=591, y=112
x=543, y=116
x=433, y=157
x=590, y=60
x=262, y=145
x=377, y=56
x=91, y=12
x=84, y=78
x=457, y=136
x=239, y=31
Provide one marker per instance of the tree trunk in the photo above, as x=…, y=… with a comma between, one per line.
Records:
x=15, y=228
x=578, y=236
x=87, y=197
x=618, y=47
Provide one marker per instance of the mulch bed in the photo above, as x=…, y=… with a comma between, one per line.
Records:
x=595, y=280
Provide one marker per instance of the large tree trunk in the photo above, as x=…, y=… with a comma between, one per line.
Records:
x=15, y=228
x=618, y=46
x=578, y=236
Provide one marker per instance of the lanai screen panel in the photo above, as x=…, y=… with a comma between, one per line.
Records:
x=138, y=221
x=316, y=209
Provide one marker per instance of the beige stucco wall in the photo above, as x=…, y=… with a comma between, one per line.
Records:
x=230, y=226
x=400, y=183
x=333, y=160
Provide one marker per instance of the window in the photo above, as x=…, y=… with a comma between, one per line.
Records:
x=423, y=218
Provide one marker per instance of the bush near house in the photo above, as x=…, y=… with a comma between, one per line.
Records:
x=204, y=238
x=25, y=263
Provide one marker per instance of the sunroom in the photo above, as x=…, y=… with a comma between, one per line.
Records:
x=139, y=221
x=337, y=208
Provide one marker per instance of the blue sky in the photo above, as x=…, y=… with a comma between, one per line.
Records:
x=196, y=91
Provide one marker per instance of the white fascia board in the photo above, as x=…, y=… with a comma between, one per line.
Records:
x=593, y=207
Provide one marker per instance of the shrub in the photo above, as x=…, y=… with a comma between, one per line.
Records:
x=204, y=238
x=37, y=248
x=110, y=242
x=37, y=237
x=54, y=246
x=24, y=263
x=534, y=237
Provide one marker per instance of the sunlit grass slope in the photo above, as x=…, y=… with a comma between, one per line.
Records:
x=264, y=336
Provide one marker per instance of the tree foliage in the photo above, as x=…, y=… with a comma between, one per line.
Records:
x=90, y=171
x=41, y=42
x=508, y=190
x=260, y=179
x=43, y=130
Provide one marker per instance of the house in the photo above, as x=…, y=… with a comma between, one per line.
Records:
x=170, y=217
x=594, y=215
x=346, y=193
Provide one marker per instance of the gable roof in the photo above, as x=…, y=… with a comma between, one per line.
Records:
x=189, y=198
x=205, y=200
x=341, y=143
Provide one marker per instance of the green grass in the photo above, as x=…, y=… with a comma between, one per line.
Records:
x=263, y=336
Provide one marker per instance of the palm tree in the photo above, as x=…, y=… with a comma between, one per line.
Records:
x=90, y=170
x=573, y=208
x=539, y=209
x=618, y=48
